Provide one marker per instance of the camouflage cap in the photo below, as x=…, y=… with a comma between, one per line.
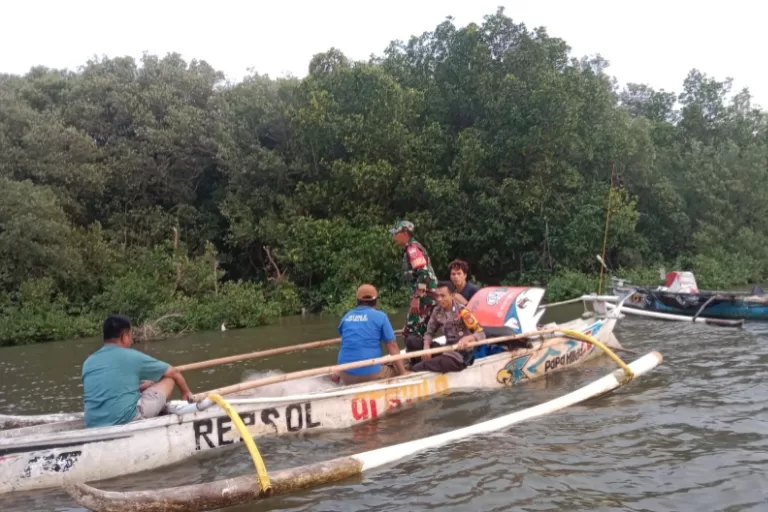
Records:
x=402, y=225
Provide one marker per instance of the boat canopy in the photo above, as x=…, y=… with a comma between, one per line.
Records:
x=505, y=310
x=681, y=282
x=516, y=307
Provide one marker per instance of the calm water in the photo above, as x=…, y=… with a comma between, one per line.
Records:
x=692, y=435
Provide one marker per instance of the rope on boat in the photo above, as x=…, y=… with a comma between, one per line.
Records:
x=258, y=462
x=589, y=339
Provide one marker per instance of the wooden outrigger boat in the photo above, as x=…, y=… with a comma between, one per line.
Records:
x=54, y=454
x=243, y=489
x=680, y=299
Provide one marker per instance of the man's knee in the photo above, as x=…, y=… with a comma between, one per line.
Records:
x=349, y=379
x=166, y=385
x=388, y=371
x=439, y=364
x=428, y=365
x=414, y=342
x=151, y=402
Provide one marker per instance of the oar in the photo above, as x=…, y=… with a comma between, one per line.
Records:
x=261, y=353
x=357, y=364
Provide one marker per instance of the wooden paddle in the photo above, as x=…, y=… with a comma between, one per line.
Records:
x=357, y=364
x=261, y=353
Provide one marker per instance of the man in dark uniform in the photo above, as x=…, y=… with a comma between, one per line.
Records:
x=421, y=278
x=460, y=328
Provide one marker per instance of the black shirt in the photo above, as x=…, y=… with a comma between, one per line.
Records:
x=469, y=290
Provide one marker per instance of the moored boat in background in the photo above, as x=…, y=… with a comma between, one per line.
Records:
x=680, y=296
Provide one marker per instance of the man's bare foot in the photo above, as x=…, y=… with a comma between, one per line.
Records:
x=335, y=377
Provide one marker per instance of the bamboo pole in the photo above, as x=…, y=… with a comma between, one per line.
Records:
x=563, y=302
x=261, y=353
x=357, y=364
x=583, y=298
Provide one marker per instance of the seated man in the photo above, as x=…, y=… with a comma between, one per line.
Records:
x=121, y=384
x=362, y=330
x=459, y=272
x=459, y=326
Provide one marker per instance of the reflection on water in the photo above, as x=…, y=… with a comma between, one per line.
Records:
x=692, y=435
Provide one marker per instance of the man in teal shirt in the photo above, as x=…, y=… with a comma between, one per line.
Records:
x=121, y=384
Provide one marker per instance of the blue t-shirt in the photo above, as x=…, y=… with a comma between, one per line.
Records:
x=111, y=379
x=362, y=330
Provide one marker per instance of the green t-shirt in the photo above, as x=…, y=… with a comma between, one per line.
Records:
x=111, y=379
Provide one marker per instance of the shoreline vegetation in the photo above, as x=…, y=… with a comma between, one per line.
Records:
x=160, y=191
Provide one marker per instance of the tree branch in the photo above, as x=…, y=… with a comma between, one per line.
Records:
x=278, y=273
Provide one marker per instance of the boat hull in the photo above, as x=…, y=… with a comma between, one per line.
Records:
x=714, y=305
x=44, y=456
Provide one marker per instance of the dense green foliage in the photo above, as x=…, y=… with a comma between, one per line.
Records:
x=155, y=187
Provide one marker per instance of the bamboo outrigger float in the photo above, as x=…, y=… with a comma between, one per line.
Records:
x=244, y=489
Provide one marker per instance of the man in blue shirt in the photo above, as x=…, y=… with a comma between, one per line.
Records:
x=121, y=384
x=362, y=330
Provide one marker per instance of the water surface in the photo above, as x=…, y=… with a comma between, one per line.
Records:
x=692, y=435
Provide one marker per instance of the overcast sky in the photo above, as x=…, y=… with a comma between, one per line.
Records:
x=649, y=41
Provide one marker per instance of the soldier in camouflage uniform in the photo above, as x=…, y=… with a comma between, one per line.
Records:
x=421, y=278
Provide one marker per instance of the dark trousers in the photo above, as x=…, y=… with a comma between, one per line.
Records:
x=441, y=363
x=413, y=343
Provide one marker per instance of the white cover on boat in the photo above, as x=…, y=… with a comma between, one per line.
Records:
x=681, y=282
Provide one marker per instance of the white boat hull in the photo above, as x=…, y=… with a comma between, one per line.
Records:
x=45, y=456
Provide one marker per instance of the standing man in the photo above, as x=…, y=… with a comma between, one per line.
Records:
x=422, y=281
x=362, y=330
x=121, y=384
x=459, y=272
x=460, y=328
